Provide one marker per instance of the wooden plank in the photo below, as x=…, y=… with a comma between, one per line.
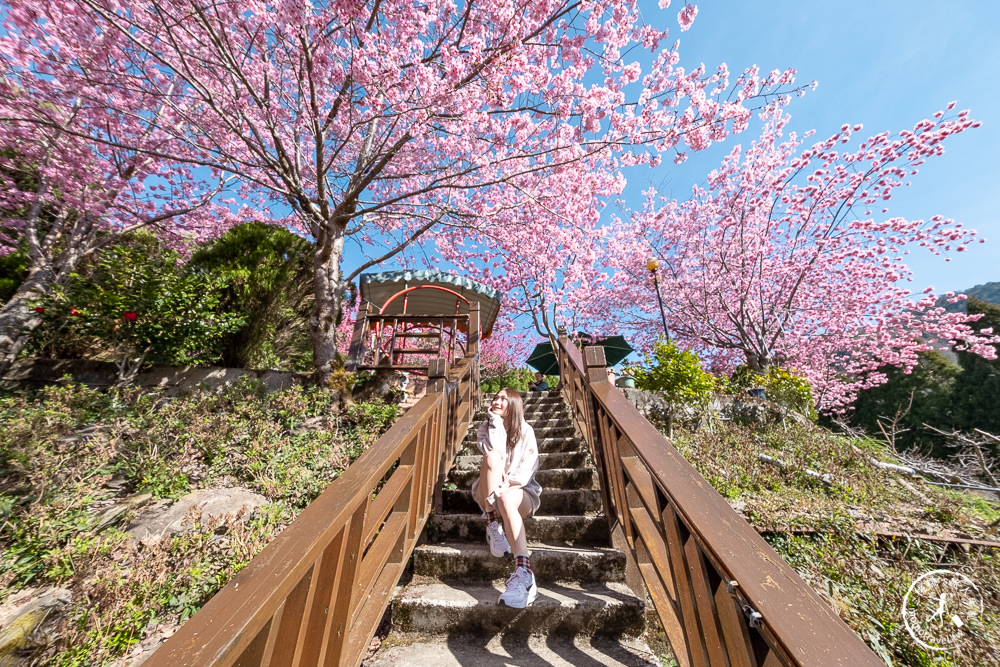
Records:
x=325, y=581
x=367, y=622
x=734, y=628
x=653, y=541
x=685, y=596
x=287, y=623
x=272, y=635
x=386, y=500
x=374, y=560
x=774, y=660
x=667, y=612
x=254, y=655
x=641, y=482
x=711, y=634
x=342, y=606
x=395, y=367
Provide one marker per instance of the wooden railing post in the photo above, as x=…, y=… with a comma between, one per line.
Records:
x=472, y=350
x=437, y=383
x=437, y=372
x=356, y=352
x=597, y=366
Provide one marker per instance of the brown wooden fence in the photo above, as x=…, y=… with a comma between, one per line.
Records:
x=723, y=595
x=316, y=593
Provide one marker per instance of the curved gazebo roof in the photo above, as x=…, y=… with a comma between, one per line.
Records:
x=382, y=290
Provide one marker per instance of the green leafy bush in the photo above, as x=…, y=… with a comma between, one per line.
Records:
x=675, y=372
x=267, y=274
x=141, y=304
x=780, y=385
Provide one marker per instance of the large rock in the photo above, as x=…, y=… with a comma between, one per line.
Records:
x=164, y=519
x=23, y=621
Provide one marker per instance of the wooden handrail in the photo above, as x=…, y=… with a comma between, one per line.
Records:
x=316, y=593
x=723, y=595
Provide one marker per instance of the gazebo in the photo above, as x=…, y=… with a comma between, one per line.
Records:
x=407, y=318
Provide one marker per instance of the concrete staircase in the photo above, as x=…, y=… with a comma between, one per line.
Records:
x=585, y=614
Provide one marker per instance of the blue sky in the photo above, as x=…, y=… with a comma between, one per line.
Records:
x=885, y=64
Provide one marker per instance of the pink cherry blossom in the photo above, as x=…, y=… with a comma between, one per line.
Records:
x=686, y=16
x=776, y=260
x=387, y=123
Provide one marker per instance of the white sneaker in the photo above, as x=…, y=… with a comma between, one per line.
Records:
x=496, y=539
x=521, y=589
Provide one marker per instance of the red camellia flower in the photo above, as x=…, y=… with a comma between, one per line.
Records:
x=39, y=309
x=75, y=312
x=130, y=315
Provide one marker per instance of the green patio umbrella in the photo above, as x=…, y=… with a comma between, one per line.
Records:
x=543, y=359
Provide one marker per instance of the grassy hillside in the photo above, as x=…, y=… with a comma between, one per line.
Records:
x=68, y=453
x=838, y=534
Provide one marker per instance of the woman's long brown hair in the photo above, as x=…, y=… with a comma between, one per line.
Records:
x=514, y=418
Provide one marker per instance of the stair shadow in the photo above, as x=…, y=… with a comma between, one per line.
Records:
x=519, y=649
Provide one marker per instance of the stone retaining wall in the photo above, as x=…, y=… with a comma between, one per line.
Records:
x=173, y=379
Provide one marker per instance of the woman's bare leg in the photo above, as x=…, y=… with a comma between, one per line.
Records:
x=490, y=478
x=514, y=505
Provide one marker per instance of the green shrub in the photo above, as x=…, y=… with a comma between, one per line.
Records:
x=675, y=372
x=267, y=274
x=780, y=385
x=143, y=306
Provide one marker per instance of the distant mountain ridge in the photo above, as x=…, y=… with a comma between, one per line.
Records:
x=989, y=292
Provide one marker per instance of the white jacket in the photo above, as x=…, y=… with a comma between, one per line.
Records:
x=521, y=462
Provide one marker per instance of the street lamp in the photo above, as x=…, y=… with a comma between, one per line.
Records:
x=653, y=264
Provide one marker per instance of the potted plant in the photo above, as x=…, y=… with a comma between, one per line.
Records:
x=626, y=381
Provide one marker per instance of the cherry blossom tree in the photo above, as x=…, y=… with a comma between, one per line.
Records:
x=76, y=172
x=390, y=122
x=786, y=255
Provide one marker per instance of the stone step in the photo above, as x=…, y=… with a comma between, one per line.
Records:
x=546, y=445
x=511, y=649
x=549, y=478
x=473, y=562
x=540, y=413
x=548, y=529
x=552, y=429
x=553, y=501
x=535, y=397
x=546, y=461
x=563, y=609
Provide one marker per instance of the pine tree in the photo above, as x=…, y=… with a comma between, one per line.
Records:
x=977, y=389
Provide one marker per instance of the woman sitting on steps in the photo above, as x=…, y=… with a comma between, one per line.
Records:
x=507, y=488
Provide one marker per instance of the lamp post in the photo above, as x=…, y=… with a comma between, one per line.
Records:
x=653, y=264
